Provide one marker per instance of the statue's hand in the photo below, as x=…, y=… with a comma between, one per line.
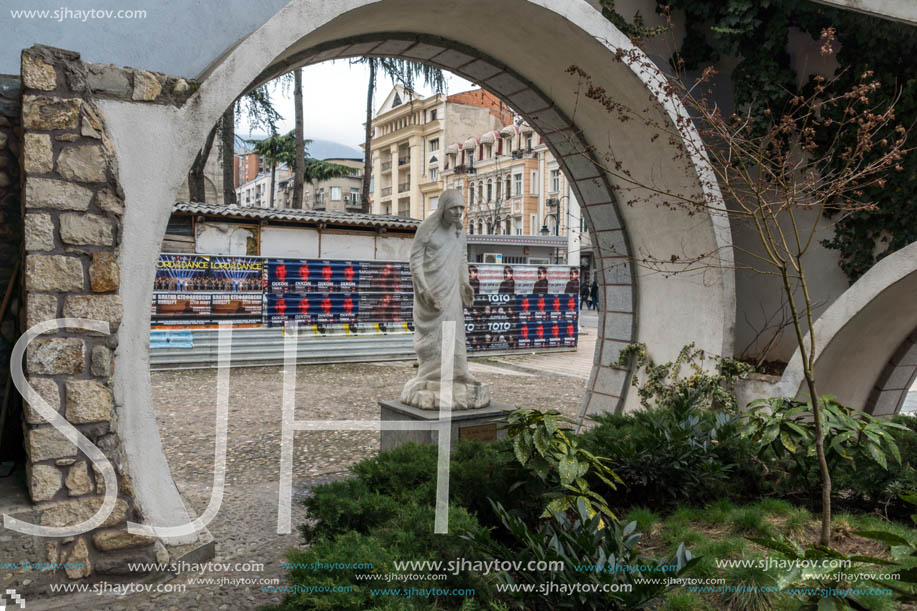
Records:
x=430, y=300
x=467, y=295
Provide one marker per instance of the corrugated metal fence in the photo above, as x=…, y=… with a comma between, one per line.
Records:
x=256, y=347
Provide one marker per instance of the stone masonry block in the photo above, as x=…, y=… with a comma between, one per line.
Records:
x=100, y=307
x=38, y=232
x=104, y=273
x=47, y=389
x=39, y=308
x=77, y=481
x=56, y=194
x=44, y=481
x=38, y=157
x=48, y=443
x=50, y=112
x=53, y=273
x=56, y=355
x=105, y=78
x=101, y=362
x=37, y=74
x=85, y=229
x=146, y=86
x=74, y=511
x=88, y=401
x=84, y=163
x=109, y=202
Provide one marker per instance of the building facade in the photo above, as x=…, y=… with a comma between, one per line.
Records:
x=256, y=193
x=408, y=145
x=513, y=186
x=341, y=194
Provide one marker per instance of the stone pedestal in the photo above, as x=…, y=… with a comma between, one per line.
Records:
x=467, y=424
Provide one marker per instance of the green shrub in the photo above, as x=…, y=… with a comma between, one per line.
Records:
x=673, y=455
x=869, y=485
x=581, y=544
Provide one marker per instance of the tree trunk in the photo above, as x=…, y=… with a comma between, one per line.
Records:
x=368, y=136
x=300, y=162
x=808, y=367
x=270, y=202
x=228, y=134
x=196, y=191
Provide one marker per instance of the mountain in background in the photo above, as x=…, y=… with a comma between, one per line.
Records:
x=318, y=148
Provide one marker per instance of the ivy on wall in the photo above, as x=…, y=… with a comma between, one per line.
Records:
x=756, y=33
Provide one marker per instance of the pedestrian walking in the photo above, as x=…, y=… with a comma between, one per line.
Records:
x=584, y=296
x=594, y=295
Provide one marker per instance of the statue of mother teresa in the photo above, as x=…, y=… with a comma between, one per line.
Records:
x=439, y=268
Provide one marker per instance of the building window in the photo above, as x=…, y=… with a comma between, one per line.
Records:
x=434, y=203
x=335, y=194
x=433, y=115
x=434, y=145
x=534, y=183
x=555, y=181
x=481, y=192
x=517, y=190
x=354, y=196
x=471, y=196
x=434, y=173
x=528, y=143
x=490, y=190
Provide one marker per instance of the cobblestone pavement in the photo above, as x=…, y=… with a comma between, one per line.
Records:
x=245, y=528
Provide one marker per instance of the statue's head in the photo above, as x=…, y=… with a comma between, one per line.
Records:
x=453, y=206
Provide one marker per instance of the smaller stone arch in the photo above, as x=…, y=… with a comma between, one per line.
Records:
x=862, y=359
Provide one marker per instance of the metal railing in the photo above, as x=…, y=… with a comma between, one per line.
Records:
x=403, y=160
x=386, y=191
x=403, y=187
x=386, y=165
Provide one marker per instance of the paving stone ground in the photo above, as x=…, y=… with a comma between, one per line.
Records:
x=245, y=527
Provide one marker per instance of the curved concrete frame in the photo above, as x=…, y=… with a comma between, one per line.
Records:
x=525, y=65
x=859, y=337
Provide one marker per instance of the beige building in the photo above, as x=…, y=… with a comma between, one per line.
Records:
x=513, y=186
x=257, y=193
x=340, y=194
x=409, y=140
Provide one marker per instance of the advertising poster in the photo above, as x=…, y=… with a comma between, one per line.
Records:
x=183, y=273
x=385, y=277
x=236, y=307
x=385, y=307
x=563, y=279
x=236, y=274
x=181, y=309
x=315, y=308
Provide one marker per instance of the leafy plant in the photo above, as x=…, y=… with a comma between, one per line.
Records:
x=667, y=455
x=904, y=552
x=664, y=385
x=543, y=444
x=816, y=570
x=785, y=426
x=591, y=552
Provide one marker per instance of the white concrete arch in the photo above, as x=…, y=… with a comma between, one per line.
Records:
x=859, y=337
x=501, y=45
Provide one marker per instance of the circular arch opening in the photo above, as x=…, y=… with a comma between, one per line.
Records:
x=666, y=312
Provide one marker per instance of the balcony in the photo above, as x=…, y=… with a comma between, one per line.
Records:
x=386, y=166
x=386, y=191
x=403, y=160
x=404, y=187
x=464, y=169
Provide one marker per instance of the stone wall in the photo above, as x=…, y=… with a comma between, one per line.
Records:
x=10, y=248
x=72, y=212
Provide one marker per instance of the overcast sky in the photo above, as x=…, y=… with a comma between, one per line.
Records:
x=334, y=97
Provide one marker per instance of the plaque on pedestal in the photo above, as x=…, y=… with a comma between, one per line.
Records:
x=482, y=423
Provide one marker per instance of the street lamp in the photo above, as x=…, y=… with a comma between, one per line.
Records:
x=544, y=224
